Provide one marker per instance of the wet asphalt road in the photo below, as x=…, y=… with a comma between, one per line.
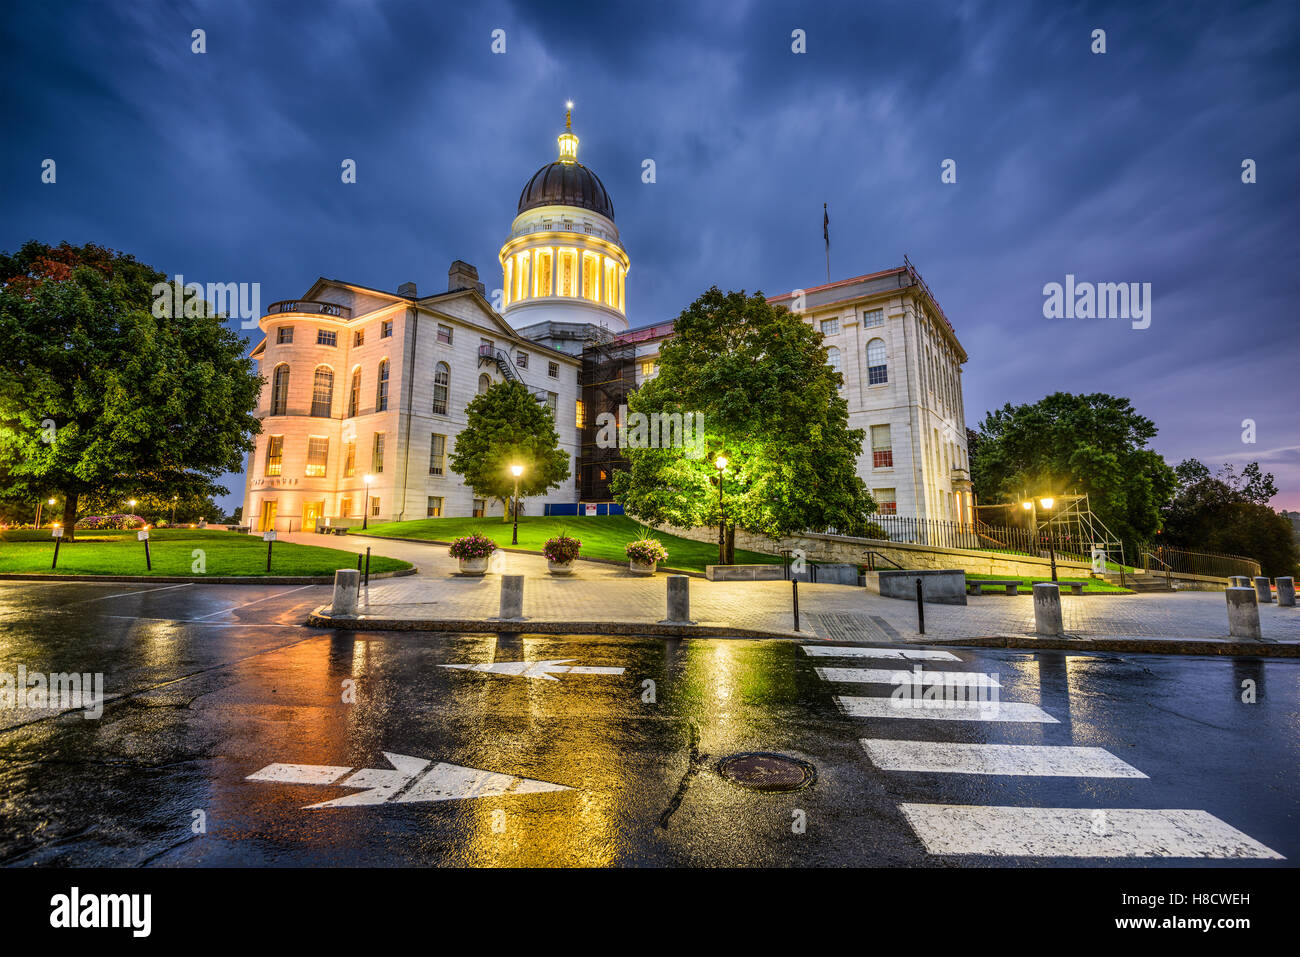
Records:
x=220, y=682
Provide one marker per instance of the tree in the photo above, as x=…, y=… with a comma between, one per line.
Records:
x=506, y=426
x=1228, y=513
x=101, y=395
x=1094, y=444
x=770, y=404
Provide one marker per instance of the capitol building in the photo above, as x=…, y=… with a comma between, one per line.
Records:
x=366, y=389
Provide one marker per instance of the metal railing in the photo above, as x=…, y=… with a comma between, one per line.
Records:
x=978, y=536
x=1178, y=561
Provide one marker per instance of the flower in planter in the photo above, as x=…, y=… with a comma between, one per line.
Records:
x=561, y=549
x=646, y=551
x=472, y=546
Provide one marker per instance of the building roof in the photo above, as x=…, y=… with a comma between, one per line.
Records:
x=567, y=184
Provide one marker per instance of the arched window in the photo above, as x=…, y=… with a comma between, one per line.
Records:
x=441, y=387
x=381, y=390
x=833, y=358
x=280, y=389
x=877, y=367
x=354, y=393
x=322, y=392
x=484, y=383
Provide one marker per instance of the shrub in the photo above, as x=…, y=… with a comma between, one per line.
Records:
x=646, y=551
x=119, y=522
x=472, y=546
x=562, y=549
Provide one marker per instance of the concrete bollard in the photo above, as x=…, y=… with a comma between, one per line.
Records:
x=679, y=598
x=1286, y=591
x=1239, y=581
x=346, y=584
x=512, y=597
x=1047, y=611
x=1263, y=593
x=1243, y=613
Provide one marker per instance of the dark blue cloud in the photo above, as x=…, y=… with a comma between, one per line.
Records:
x=1120, y=167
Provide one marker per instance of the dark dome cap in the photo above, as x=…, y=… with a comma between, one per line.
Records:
x=567, y=184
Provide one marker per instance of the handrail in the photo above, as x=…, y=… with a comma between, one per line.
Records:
x=871, y=557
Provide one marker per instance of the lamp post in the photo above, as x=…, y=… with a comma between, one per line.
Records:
x=1047, y=502
x=174, y=498
x=365, y=508
x=720, y=463
x=516, y=471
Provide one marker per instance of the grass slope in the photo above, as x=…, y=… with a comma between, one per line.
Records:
x=30, y=551
x=602, y=537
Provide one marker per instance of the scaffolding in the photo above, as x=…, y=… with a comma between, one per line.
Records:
x=607, y=378
x=1071, y=527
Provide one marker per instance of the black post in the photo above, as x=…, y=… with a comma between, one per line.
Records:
x=795, y=585
x=268, y=554
x=920, y=609
x=514, y=534
x=722, y=529
x=147, y=563
x=358, y=561
x=367, y=575
x=56, y=553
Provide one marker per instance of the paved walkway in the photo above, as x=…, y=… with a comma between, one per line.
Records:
x=607, y=593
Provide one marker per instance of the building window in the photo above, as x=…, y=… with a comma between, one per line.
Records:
x=833, y=358
x=444, y=334
x=284, y=335
x=590, y=277
x=374, y=506
x=580, y=418
x=280, y=389
x=648, y=368
x=886, y=499
x=830, y=326
x=484, y=383
x=521, y=359
x=611, y=282
x=877, y=369
x=480, y=507
x=326, y=337
x=553, y=370
x=386, y=329
x=552, y=401
x=322, y=392
x=377, y=454
x=568, y=271
x=274, y=454
x=345, y=507
x=873, y=317
x=437, y=453
x=486, y=347
x=381, y=390
x=354, y=393
x=441, y=387
x=359, y=338
x=317, y=455
x=434, y=509
x=350, y=458
x=542, y=279
x=882, y=451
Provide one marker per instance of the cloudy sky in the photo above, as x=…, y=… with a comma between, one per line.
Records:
x=1117, y=167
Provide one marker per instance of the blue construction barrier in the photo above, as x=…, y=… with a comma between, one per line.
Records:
x=580, y=509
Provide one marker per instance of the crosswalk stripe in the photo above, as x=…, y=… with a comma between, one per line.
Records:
x=887, y=676
x=881, y=707
x=1014, y=759
x=907, y=654
x=1078, y=832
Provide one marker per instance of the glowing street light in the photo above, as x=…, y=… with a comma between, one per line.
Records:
x=720, y=463
x=1047, y=502
x=516, y=471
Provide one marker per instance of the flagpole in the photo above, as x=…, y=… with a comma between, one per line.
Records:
x=826, y=232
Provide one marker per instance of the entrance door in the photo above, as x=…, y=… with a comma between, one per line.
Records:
x=267, y=522
x=311, y=512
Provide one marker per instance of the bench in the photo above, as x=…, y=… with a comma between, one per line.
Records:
x=977, y=587
x=1076, y=588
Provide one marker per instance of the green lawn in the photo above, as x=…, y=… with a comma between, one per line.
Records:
x=602, y=537
x=1089, y=584
x=172, y=552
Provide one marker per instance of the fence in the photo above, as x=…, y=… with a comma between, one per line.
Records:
x=1175, y=561
x=991, y=538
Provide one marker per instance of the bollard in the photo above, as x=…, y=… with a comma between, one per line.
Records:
x=679, y=600
x=1263, y=594
x=1047, y=610
x=358, y=564
x=1243, y=613
x=346, y=584
x=1239, y=581
x=794, y=583
x=512, y=597
x=1286, y=591
x=920, y=608
x=367, y=579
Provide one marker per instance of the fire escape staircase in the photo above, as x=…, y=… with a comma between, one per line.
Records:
x=501, y=359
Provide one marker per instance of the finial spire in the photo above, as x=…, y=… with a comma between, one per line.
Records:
x=568, y=116
x=567, y=140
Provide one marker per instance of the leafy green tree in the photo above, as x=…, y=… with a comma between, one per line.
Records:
x=506, y=426
x=1228, y=513
x=98, y=395
x=1093, y=444
x=770, y=404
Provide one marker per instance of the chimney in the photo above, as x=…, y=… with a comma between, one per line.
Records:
x=462, y=275
x=406, y=289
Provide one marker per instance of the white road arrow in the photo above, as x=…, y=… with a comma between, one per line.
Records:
x=538, y=669
x=410, y=780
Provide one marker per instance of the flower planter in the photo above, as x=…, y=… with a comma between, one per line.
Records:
x=559, y=568
x=473, y=566
x=640, y=569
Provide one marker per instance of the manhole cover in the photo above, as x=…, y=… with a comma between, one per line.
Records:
x=765, y=771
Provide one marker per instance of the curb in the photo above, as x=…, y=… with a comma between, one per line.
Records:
x=1266, y=648
x=205, y=579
